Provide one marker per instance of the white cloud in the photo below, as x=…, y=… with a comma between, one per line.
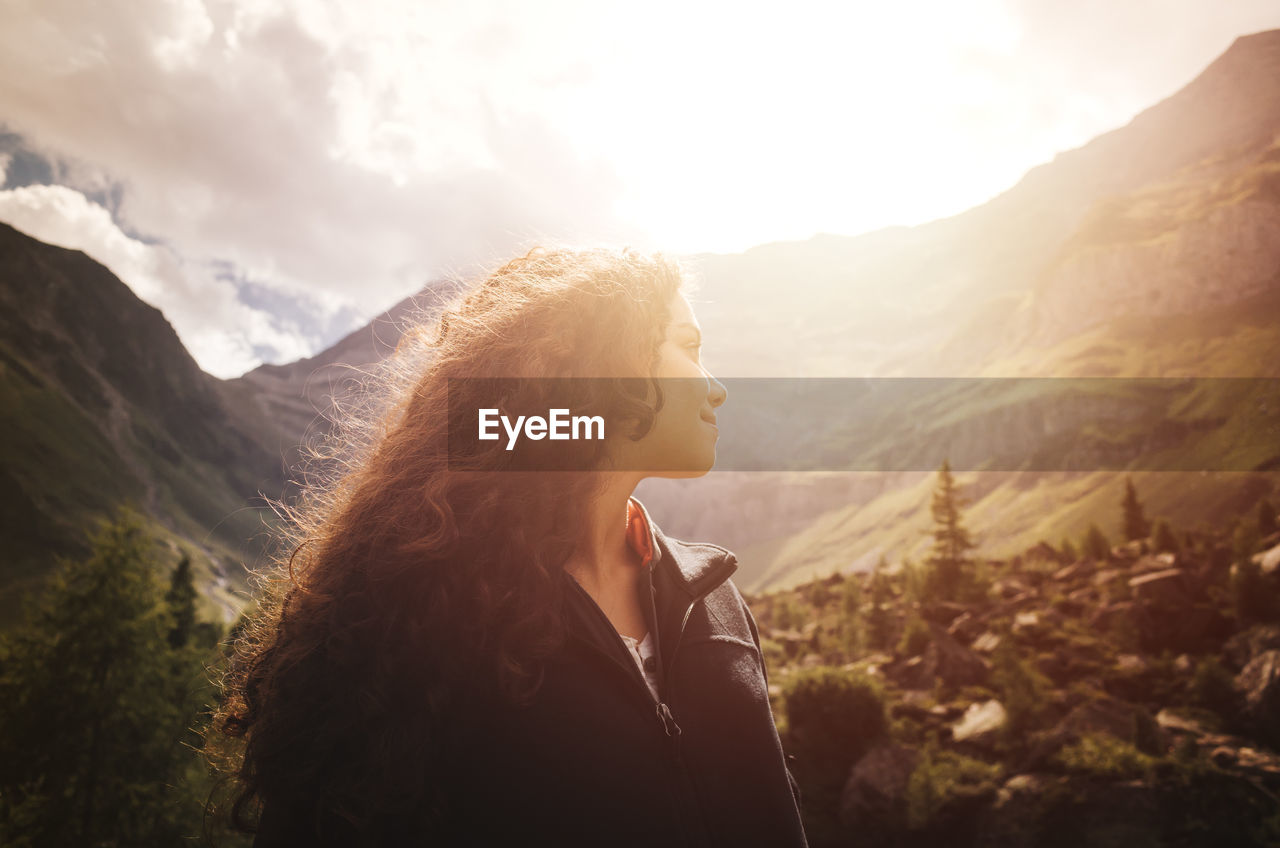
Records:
x=222, y=333
x=346, y=152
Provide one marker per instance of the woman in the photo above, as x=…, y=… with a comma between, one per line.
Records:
x=469, y=651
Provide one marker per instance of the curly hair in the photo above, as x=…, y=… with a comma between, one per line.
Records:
x=398, y=579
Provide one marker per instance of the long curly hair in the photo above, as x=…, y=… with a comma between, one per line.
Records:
x=398, y=578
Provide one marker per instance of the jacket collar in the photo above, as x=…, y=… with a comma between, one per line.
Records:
x=695, y=568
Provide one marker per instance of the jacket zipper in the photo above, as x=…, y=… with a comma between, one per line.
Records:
x=662, y=709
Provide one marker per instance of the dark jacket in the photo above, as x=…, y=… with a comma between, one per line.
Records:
x=595, y=761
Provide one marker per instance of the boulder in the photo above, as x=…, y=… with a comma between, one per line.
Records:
x=944, y=659
x=1104, y=618
x=1009, y=587
x=981, y=724
x=942, y=612
x=1129, y=550
x=1112, y=716
x=966, y=628
x=1259, y=683
x=1167, y=588
x=1247, y=644
x=1268, y=560
x=1078, y=570
x=986, y=643
x=1105, y=576
x=873, y=801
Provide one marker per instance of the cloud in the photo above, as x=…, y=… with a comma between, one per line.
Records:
x=282, y=140
x=224, y=334
x=329, y=158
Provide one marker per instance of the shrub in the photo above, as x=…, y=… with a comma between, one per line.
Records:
x=1213, y=688
x=819, y=594
x=1095, y=544
x=852, y=595
x=1021, y=687
x=942, y=777
x=833, y=718
x=915, y=638
x=1104, y=756
x=786, y=612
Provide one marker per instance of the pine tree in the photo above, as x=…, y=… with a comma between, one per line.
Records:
x=181, y=600
x=1095, y=544
x=951, y=541
x=1067, y=550
x=1165, y=540
x=91, y=727
x=1136, y=525
x=879, y=624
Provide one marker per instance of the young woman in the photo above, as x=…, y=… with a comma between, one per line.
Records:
x=465, y=651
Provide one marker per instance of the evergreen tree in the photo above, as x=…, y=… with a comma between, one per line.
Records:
x=851, y=615
x=879, y=624
x=1136, y=525
x=947, y=559
x=91, y=727
x=1096, y=544
x=1067, y=551
x=181, y=600
x=1266, y=518
x=1165, y=541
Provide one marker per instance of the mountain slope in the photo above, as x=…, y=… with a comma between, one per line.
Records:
x=103, y=405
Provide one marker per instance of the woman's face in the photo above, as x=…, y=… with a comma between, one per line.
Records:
x=682, y=441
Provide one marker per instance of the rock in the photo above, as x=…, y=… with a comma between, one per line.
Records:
x=986, y=643
x=1057, y=666
x=1247, y=644
x=1042, y=551
x=942, y=612
x=874, y=798
x=811, y=660
x=944, y=659
x=1259, y=682
x=1105, y=576
x=1131, y=664
x=1183, y=664
x=1167, y=588
x=981, y=723
x=1261, y=764
x=1025, y=622
x=1174, y=723
x=955, y=664
x=1268, y=560
x=1119, y=719
x=1083, y=596
x=1073, y=605
x=919, y=706
x=1009, y=587
x=1104, y=618
x=965, y=628
x=1223, y=757
x=1129, y=550
x=1078, y=570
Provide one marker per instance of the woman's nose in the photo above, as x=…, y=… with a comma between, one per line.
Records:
x=718, y=393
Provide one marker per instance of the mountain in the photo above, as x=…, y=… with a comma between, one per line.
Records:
x=292, y=403
x=104, y=405
x=1153, y=250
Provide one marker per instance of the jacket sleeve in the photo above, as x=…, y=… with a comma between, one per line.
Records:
x=764, y=669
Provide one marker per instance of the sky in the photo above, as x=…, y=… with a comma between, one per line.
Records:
x=272, y=176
